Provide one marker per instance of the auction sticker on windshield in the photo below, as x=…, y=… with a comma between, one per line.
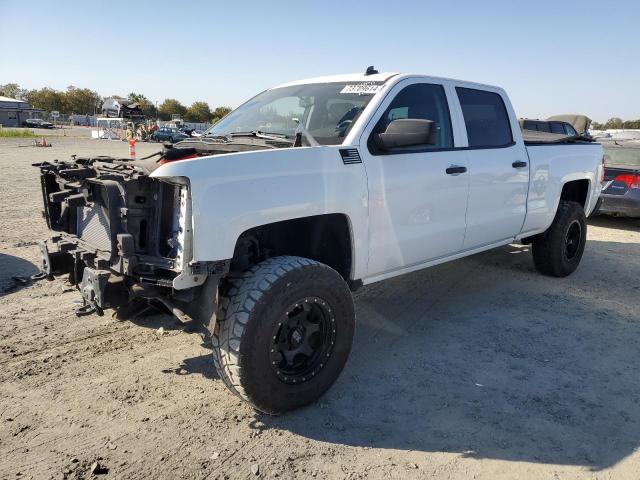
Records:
x=362, y=88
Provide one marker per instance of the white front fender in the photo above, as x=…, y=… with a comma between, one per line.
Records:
x=232, y=193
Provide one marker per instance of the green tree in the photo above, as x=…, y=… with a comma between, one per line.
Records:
x=220, y=112
x=147, y=107
x=198, y=112
x=46, y=99
x=169, y=107
x=613, y=122
x=81, y=101
x=12, y=90
x=634, y=124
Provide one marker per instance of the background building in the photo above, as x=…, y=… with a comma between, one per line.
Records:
x=13, y=112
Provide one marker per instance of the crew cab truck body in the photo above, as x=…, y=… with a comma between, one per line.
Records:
x=260, y=227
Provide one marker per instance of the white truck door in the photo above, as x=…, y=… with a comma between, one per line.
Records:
x=418, y=194
x=498, y=167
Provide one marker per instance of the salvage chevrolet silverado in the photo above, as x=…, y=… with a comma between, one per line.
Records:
x=260, y=228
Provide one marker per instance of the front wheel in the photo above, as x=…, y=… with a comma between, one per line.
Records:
x=283, y=333
x=558, y=251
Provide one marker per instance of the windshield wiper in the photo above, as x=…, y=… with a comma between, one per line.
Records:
x=213, y=135
x=260, y=134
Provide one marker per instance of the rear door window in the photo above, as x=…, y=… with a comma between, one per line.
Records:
x=485, y=117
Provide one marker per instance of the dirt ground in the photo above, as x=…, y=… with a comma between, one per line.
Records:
x=480, y=368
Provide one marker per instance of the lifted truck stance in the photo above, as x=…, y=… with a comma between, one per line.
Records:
x=260, y=228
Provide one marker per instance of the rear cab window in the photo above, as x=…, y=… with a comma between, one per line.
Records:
x=485, y=117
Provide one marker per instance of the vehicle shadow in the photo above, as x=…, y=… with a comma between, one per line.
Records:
x=202, y=365
x=12, y=266
x=486, y=358
x=618, y=223
x=154, y=319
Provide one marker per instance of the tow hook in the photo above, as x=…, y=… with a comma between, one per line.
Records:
x=93, y=288
x=40, y=276
x=88, y=309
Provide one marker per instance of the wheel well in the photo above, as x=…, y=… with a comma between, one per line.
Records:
x=325, y=238
x=576, y=191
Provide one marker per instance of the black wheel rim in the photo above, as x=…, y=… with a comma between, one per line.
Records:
x=573, y=239
x=302, y=341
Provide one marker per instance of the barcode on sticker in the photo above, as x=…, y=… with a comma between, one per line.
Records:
x=362, y=88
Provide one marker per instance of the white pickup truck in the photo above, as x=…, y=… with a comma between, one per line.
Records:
x=260, y=228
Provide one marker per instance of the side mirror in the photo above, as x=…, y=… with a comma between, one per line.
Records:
x=407, y=132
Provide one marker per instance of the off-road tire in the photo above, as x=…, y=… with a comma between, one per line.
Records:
x=249, y=311
x=550, y=248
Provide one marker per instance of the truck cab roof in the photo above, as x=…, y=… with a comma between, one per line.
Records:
x=382, y=77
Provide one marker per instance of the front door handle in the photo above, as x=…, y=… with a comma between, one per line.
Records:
x=455, y=170
x=519, y=164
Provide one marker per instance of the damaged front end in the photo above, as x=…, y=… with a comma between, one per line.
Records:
x=123, y=237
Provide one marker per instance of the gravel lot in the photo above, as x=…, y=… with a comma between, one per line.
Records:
x=480, y=368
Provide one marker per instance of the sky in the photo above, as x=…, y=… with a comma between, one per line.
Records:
x=552, y=57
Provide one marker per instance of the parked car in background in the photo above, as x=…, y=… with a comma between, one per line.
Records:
x=167, y=134
x=36, y=123
x=621, y=190
x=580, y=123
x=562, y=128
x=186, y=130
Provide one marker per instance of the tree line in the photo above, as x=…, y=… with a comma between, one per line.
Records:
x=616, y=123
x=84, y=101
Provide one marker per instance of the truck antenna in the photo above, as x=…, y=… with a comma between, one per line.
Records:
x=371, y=71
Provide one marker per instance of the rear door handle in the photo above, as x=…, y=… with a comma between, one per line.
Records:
x=519, y=164
x=455, y=170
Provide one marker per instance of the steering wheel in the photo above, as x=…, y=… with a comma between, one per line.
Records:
x=347, y=119
x=342, y=126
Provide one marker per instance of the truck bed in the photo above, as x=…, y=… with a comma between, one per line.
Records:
x=533, y=137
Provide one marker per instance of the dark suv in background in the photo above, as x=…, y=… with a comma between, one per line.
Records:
x=36, y=123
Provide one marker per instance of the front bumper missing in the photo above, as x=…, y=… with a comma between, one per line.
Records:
x=103, y=288
x=54, y=263
x=99, y=288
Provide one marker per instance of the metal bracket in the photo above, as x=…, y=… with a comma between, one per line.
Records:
x=93, y=288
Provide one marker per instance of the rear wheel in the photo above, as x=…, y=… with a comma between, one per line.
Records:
x=283, y=333
x=558, y=251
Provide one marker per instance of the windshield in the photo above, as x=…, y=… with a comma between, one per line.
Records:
x=326, y=110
